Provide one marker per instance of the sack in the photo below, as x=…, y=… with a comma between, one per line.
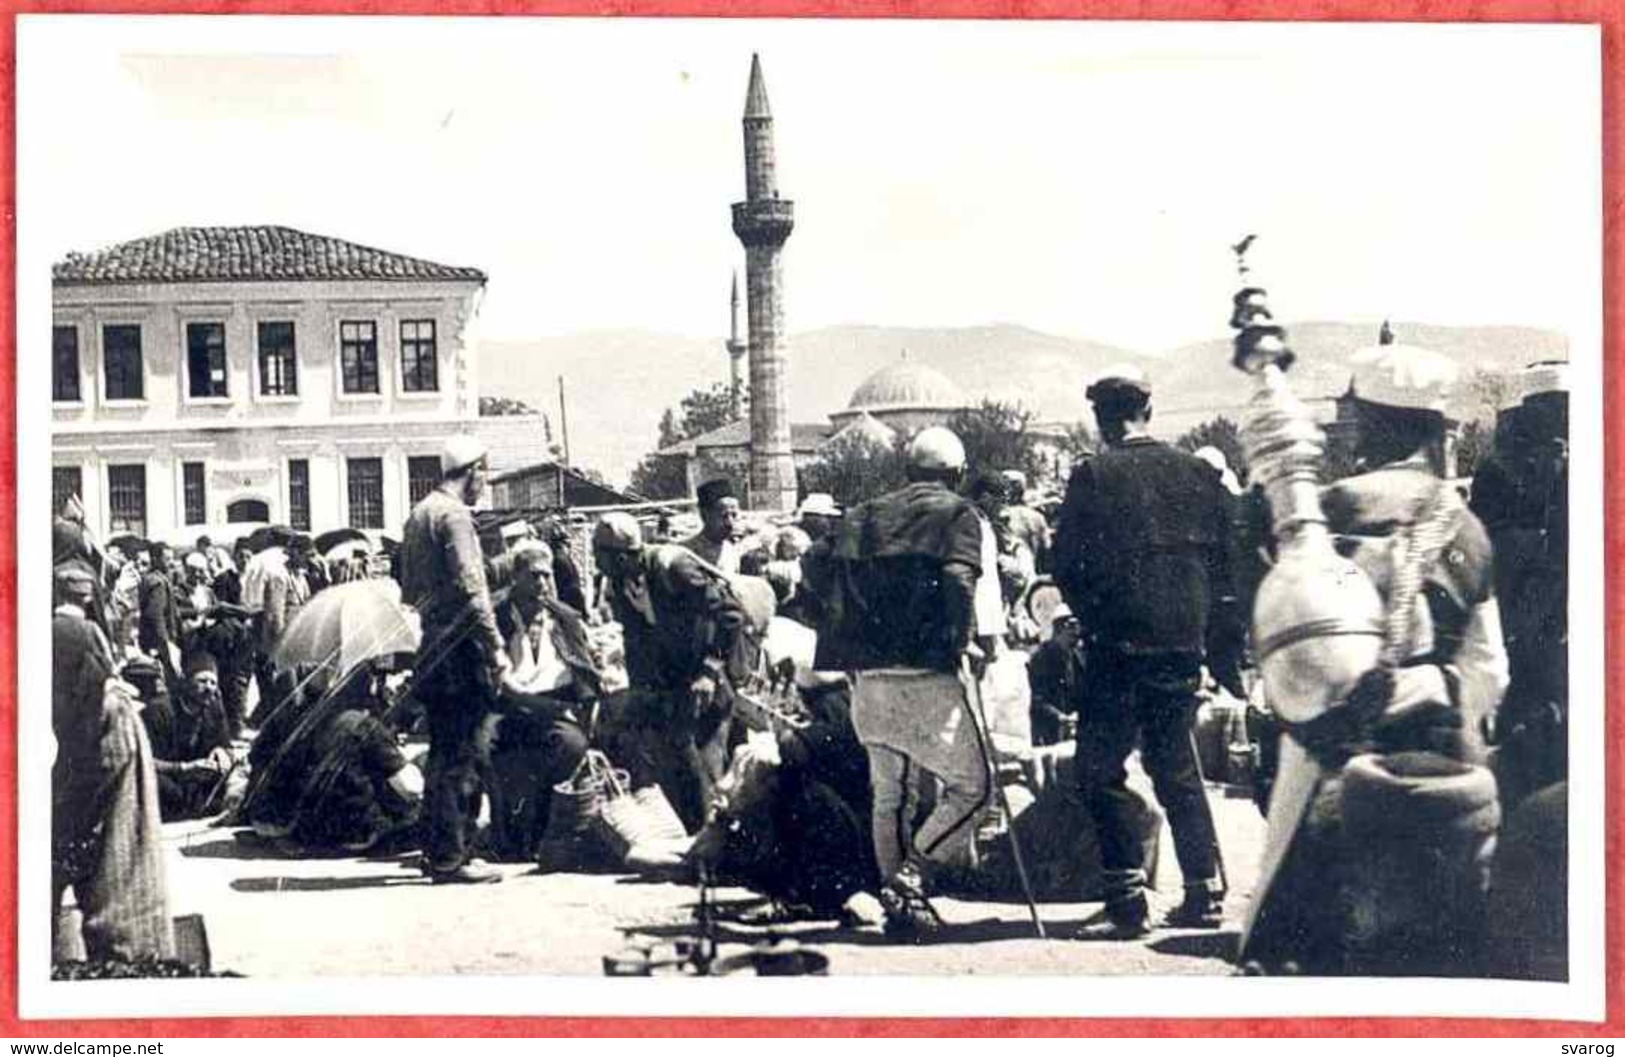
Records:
x=578, y=800
x=627, y=818
x=1007, y=700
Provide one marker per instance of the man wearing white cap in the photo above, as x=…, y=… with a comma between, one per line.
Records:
x=1380, y=876
x=462, y=661
x=898, y=587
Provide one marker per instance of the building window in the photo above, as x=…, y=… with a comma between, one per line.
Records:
x=419, y=365
x=121, y=358
x=299, y=494
x=422, y=475
x=366, y=493
x=127, y=499
x=192, y=492
x=65, y=364
x=358, y=355
x=67, y=482
x=206, y=359
x=279, y=366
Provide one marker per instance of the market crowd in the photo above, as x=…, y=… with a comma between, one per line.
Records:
x=855, y=701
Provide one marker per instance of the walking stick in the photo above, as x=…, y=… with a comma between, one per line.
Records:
x=973, y=701
x=1218, y=849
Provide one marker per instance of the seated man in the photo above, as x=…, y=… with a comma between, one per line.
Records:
x=191, y=743
x=536, y=737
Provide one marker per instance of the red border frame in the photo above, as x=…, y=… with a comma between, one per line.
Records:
x=1608, y=13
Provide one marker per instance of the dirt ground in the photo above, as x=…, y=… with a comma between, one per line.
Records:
x=272, y=916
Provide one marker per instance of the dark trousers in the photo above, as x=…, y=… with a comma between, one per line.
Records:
x=659, y=739
x=1152, y=697
x=456, y=699
x=530, y=754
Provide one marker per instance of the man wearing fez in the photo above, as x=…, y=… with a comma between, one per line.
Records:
x=1142, y=557
x=719, y=524
x=106, y=843
x=191, y=742
x=686, y=642
x=1385, y=872
x=461, y=663
x=898, y=591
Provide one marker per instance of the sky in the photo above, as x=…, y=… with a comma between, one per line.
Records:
x=1084, y=179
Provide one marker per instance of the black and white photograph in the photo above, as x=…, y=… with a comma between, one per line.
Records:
x=1032, y=518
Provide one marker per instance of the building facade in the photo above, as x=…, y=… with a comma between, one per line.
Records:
x=210, y=375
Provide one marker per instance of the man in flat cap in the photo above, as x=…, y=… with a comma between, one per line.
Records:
x=1143, y=557
x=685, y=631
x=719, y=525
x=1384, y=875
x=462, y=662
x=898, y=589
x=106, y=840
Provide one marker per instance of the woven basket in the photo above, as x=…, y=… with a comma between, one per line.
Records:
x=578, y=801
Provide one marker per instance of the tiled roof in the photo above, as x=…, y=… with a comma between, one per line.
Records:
x=804, y=437
x=251, y=254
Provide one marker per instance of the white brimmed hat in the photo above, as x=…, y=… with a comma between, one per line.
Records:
x=821, y=504
x=1403, y=376
x=461, y=451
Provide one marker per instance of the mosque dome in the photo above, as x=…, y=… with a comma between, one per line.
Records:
x=905, y=385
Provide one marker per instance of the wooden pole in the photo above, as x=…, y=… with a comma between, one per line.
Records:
x=564, y=429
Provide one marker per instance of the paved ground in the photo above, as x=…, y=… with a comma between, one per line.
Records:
x=270, y=916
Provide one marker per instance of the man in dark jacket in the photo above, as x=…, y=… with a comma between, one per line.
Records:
x=898, y=590
x=685, y=645
x=158, y=629
x=106, y=842
x=191, y=742
x=1142, y=557
x=462, y=662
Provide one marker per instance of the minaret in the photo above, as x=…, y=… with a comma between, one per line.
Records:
x=763, y=221
x=738, y=393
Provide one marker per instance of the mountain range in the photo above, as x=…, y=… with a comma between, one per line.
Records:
x=618, y=382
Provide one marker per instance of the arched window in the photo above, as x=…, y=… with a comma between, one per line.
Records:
x=248, y=510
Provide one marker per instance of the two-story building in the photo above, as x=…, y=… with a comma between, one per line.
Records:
x=210, y=375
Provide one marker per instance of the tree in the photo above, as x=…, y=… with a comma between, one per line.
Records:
x=660, y=477
x=504, y=405
x=856, y=468
x=698, y=413
x=996, y=437
x=1219, y=433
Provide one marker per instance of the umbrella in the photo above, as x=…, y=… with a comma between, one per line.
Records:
x=327, y=541
x=128, y=544
x=268, y=536
x=348, y=625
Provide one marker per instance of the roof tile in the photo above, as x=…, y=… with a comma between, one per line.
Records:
x=245, y=254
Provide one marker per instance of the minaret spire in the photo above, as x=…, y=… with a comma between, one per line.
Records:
x=738, y=396
x=763, y=221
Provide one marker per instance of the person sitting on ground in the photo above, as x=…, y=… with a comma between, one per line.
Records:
x=330, y=775
x=538, y=736
x=191, y=743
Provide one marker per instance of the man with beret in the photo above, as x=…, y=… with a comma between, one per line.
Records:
x=685, y=633
x=1142, y=556
x=719, y=524
x=274, y=589
x=106, y=842
x=1380, y=874
x=461, y=663
x=898, y=589
x=191, y=742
